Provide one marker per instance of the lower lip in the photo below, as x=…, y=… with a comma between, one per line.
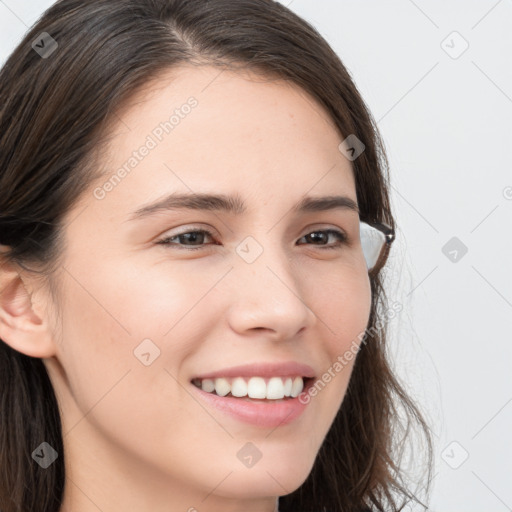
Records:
x=262, y=413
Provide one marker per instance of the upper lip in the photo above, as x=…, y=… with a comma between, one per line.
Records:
x=284, y=369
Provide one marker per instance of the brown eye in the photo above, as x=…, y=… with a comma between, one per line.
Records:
x=197, y=235
x=342, y=237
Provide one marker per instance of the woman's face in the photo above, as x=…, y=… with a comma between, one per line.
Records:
x=138, y=319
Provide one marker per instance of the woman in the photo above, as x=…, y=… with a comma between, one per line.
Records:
x=194, y=220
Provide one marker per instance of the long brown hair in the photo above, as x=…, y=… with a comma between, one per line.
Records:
x=55, y=110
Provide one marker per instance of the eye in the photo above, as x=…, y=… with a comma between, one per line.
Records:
x=341, y=237
x=168, y=240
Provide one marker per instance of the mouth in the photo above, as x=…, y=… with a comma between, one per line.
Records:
x=256, y=389
x=271, y=405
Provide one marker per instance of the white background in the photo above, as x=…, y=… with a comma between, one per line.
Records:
x=445, y=120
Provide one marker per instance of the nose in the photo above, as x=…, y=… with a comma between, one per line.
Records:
x=266, y=295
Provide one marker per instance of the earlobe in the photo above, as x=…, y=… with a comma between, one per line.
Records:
x=21, y=327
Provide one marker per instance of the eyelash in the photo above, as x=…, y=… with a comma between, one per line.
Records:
x=342, y=239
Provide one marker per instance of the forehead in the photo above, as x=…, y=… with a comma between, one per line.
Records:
x=205, y=128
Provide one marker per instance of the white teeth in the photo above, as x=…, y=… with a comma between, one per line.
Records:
x=208, y=385
x=239, y=387
x=288, y=387
x=222, y=387
x=256, y=387
x=297, y=387
x=275, y=388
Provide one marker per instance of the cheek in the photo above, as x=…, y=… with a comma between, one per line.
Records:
x=105, y=319
x=106, y=312
x=343, y=309
x=110, y=309
x=342, y=302
x=154, y=299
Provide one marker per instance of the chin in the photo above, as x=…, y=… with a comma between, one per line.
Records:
x=276, y=477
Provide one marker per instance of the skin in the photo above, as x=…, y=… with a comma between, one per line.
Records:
x=134, y=436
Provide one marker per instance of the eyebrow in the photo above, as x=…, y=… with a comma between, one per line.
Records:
x=235, y=205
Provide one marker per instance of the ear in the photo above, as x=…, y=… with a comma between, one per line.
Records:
x=21, y=326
